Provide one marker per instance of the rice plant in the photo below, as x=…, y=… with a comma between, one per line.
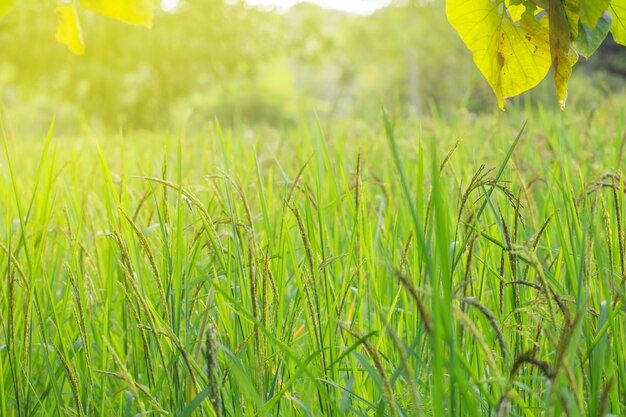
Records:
x=462, y=267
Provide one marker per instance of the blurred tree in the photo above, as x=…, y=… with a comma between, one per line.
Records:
x=130, y=76
x=610, y=57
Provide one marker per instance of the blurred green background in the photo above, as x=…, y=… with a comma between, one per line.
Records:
x=243, y=64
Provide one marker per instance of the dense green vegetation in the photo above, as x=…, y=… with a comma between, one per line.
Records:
x=212, y=58
x=513, y=43
x=221, y=220
x=404, y=267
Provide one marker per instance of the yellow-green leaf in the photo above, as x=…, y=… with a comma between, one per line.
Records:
x=591, y=11
x=68, y=29
x=572, y=11
x=137, y=12
x=513, y=55
x=589, y=39
x=563, y=55
x=5, y=7
x=618, y=27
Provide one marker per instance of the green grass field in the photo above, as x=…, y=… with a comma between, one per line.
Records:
x=403, y=268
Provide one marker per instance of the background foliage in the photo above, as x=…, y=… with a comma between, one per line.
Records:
x=213, y=58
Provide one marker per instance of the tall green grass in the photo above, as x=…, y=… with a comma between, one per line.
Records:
x=435, y=267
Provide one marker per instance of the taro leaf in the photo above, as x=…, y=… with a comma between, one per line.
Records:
x=589, y=39
x=5, y=7
x=572, y=11
x=563, y=55
x=592, y=10
x=68, y=29
x=511, y=49
x=618, y=27
x=137, y=12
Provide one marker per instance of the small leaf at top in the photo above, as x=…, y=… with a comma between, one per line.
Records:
x=618, y=27
x=589, y=39
x=563, y=55
x=512, y=53
x=137, y=12
x=591, y=11
x=68, y=29
x=5, y=7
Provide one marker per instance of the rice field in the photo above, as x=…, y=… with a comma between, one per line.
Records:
x=468, y=266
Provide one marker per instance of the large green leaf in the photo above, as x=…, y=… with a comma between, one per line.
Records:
x=618, y=27
x=5, y=6
x=68, y=29
x=511, y=49
x=138, y=12
x=589, y=39
x=591, y=11
x=563, y=55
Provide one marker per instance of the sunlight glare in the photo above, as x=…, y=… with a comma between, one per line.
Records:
x=363, y=7
x=169, y=5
